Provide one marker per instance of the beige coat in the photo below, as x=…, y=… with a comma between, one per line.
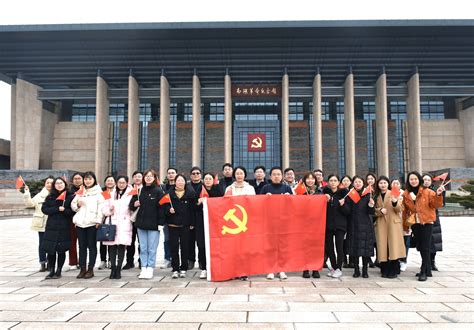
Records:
x=389, y=229
x=38, y=223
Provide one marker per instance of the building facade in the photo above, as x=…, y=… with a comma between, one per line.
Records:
x=345, y=96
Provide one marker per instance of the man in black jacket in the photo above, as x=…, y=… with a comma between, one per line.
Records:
x=259, y=180
x=227, y=180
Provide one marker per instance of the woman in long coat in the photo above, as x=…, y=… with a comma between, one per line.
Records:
x=57, y=235
x=388, y=229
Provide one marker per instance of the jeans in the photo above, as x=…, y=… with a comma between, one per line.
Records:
x=166, y=243
x=41, y=253
x=149, y=240
x=87, y=241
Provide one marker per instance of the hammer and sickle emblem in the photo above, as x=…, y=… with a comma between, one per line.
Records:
x=241, y=224
x=256, y=143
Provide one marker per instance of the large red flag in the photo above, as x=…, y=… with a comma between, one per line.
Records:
x=441, y=177
x=62, y=197
x=248, y=235
x=354, y=195
x=300, y=188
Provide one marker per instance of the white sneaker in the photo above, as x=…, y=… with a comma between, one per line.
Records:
x=182, y=274
x=165, y=264
x=403, y=266
x=109, y=264
x=102, y=265
x=283, y=276
x=175, y=275
x=270, y=276
x=203, y=274
x=330, y=273
x=149, y=273
x=143, y=273
x=337, y=273
x=73, y=267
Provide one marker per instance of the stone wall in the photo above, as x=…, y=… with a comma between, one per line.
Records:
x=184, y=147
x=48, y=124
x=299, y=147
x=330, y=155
x=214, y=146
x=153, y=150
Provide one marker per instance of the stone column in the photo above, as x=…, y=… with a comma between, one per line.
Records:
x=196, y=144
x=102, y=130
x=466, y=116
x=285, y=123
x=133, y=131
x=26, y=123
x=317, y=123
x=381, y=121
x=227, y=119
x=164, y=126
x=414, y=123
x=349, y=125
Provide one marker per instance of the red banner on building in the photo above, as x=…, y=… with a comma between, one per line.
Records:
x=257, y=142
x=249, y=235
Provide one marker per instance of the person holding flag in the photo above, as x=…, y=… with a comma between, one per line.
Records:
x=397, y=192
x=171, y=173
x=137, y=180
x=116, y=207
x=180, y=214
x=77, y=188
x=149, y=221
x=38, y=222
x=210, y=186
x=388, y=229
x=239, y=186
x=88, y=208
x=57, y=236
x=336, y=225
x=370, y=180
x=109, y=186
x=196, y=184
x=360, y=234
x=318, y=173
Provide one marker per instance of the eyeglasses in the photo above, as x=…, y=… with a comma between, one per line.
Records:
x=196, y=173
x=149, y=177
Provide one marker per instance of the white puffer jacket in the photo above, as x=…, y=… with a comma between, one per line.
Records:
x=90, y=213
x=38, y=223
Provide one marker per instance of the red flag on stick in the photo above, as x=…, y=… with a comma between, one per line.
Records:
x=106, y=194
x=203, y=193
x=19, y=182
x=80, y=192
x=441, y=177
x=62, y=197
x=216, y=180
x=133, y=192
x=354, y=195
x=395, y=192
x=166, y=199
x=300, y=188
x=367, y=190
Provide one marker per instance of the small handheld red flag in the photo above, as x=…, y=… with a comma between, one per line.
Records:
x=19, y=182
x=441, y=177
x=62, y=197
x=133, y=192
x=324, y=184
x=158, y=182
x=166, y=199
x=300, y=188
x=216, y=180
x=203, y=193
x=80, y=192
x=354, y=195
x=395, y=192
x=106, y=194
x=367, y=190
x=228, y=192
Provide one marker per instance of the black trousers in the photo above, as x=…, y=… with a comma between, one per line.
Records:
x=192, y=245
x=52, y=260
x=179, y=238
x=114, y=251
x=201, y=243
x=103, y=252
x=87, y=241
x=131, y=248
x=390, y=268
x=335, y=237
x=423, y=235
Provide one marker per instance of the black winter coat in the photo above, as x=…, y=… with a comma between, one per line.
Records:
x=437, y=236
x=258, y=187
x=215, y=191
x=57, y=235
x=184, y=208
x=360, y=237
x=335, y=217
x=198, y=211
x=151, y=213
x=224, y=183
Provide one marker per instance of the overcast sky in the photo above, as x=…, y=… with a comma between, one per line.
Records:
x=97, y=11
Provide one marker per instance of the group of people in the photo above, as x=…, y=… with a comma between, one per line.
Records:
x=355, y=227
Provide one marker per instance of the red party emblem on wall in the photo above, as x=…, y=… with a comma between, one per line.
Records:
x=257, y=142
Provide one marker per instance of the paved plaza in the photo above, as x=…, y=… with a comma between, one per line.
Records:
x=444, y=301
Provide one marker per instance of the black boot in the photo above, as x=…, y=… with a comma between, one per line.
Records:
x=315, y=274
x=51, y=273
x=306, y=274
x=113, y=271
x=356, y=271
x=422, y=277
x=118, y=276
x=365, y=273
x=433, y=265
x=43, y=267
x=58, y=272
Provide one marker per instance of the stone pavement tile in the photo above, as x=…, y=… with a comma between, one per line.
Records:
x=139, y=297
x=204, y=317
x=8, y=289
x=374, y=291
x=232, y=284
x=16, y=296
x=461, y=307
x=347, y=284
x=327, y=307
x=213, y=297
x=67, y=297
x=431, y=298
x=465, y=278
x=253, y=306
x=34, y=316
x=154, y=284
x=448, y=284
x=229, y=290
x=352, y=326
x=99, y=316
x=286, y=284
x=11, y=274
x=410, y=284
x=451, y=317
x=59, y=325
x=25, y=306
x=261, y=326
x=408, y=307
x=318, y=290
x=191, y=291
x=49, y=290
x=471, y=296
x=90, y=306
x=115, y=290
x=291, y=317
x=379, y=317
x=359, y=298
x=286, y=297
x=104, y=284
x=428, y=326
x=7, y=325
x=436, y=278
x=141, y=326
x=169, y=306
x=448, y=291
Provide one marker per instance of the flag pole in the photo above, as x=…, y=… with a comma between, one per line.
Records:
x=348, y=193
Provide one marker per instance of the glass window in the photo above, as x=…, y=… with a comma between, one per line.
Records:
x=369, y=117
x=216, y=112
x=296, y=111
x=398, y=113
x=340, y=137
x=432, y=110
x=83, y=112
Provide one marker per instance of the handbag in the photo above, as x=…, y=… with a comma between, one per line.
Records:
x=106, y=231
x=411, y=220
